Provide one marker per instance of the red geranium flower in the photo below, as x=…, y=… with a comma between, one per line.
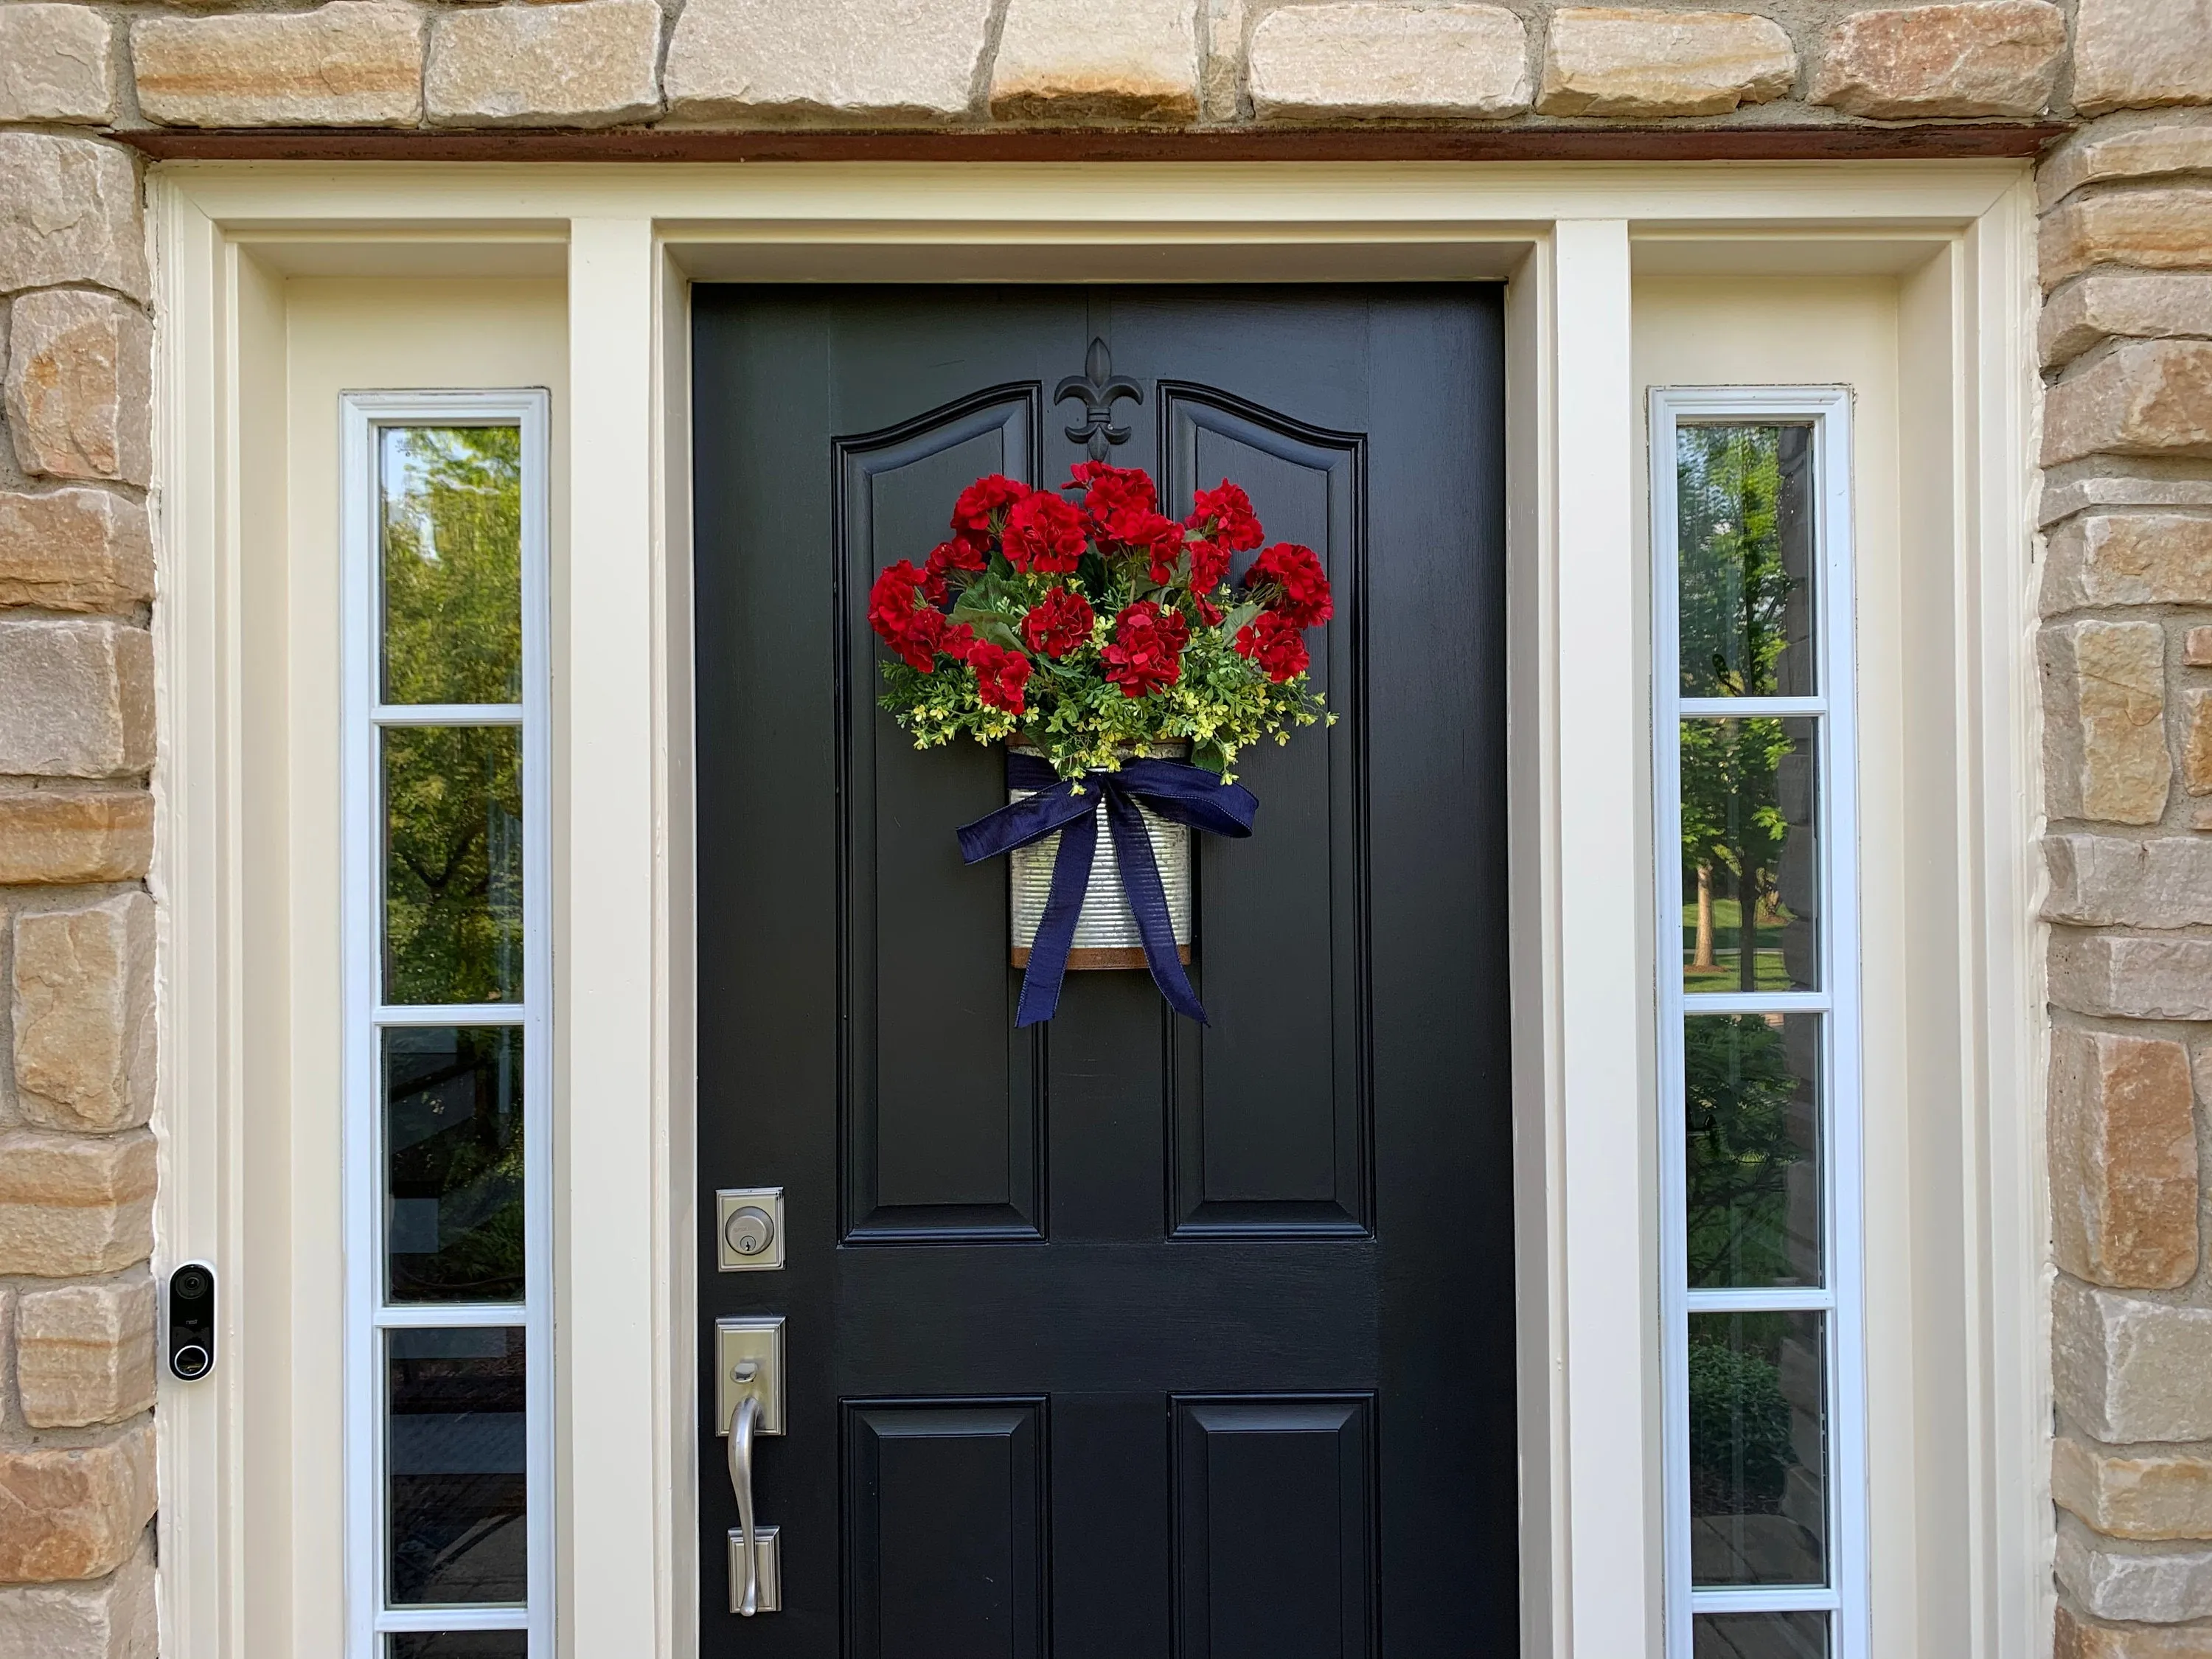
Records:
x=943, y=559
x=1058, y=622
x=959, y=642
x=1209, y=565
x=1225, y=514
x=1000, y=674
x=897, y=612
x=1117, y=498
x=1301, y=584
x=1146, y=654
x=1274, y=642
x=1159, y=538
x=1045, y=534
x=980, y=513
x=1208, y=612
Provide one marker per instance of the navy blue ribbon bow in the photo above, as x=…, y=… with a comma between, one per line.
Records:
x=1173, y=789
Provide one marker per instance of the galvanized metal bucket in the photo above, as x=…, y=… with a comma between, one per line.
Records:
x=1106, y=931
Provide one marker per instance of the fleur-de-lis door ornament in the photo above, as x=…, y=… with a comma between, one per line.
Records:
x=1098, y=387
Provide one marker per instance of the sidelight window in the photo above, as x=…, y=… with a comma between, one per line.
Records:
x=1758, y=1032
x=447, y=1156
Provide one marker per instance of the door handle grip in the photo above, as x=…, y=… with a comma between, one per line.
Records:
x=742, y=1422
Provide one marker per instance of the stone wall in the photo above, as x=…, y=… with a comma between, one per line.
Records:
x=2126, y=648
x=2126, y=658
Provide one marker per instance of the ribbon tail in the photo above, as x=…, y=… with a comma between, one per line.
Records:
x=1055, y=933
x=1148, y=903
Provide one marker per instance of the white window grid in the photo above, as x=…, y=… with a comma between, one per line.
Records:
x=1826, y=410
x=370, y=1616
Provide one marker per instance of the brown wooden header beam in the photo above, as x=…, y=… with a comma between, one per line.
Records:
x=1738, y=143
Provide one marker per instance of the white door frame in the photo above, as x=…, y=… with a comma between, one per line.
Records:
x=1955, y=237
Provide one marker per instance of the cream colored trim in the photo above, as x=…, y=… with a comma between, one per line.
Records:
x=627, y=237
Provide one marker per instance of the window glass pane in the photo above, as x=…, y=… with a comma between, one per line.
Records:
x=453, y=1148
x=1758, y=1448
x=452, y=887
x=1745, y=582
x=1759, y=1635
x=452, y=529
x=457, y=1644
x=1751, y=1149
x=1750, y=862
x=454, y=1454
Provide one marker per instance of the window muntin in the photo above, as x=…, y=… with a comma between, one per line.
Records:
x=1765, y=1537
x=448, y=1156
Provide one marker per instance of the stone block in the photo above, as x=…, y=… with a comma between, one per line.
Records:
x=1220, y=78
x=2132, y=978
x=74, y=549
x=2126, y=150
x=2123, y=1139
x=69, y=213
x=1378, y=59
x=1073, y=62
x=2074, y=1637
x=74, y=1512
x=859, y=63
x=56, y=63
x=109, y=1618
x=51, y=838
x=2146, y=398
x=76, y=699
x=2130, y=1371
x=2138, y=54
x=2197, y=743
x=2104, y=881
x=2104, y=721
x=1983, y=58
x=2143, y=1495
x=79, y=386
x=84, y=1353
x=1640, y=65
x=2197, y=648
x=74, y=1204
x=589, y=63
x=2119, y=1581
x=2141, y=558
x=348, y=63
x=83, y=1012
x=2157, y=228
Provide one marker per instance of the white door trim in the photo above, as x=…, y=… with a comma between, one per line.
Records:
x=1571, y=241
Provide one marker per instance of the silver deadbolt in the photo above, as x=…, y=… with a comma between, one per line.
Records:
x=749, y=1229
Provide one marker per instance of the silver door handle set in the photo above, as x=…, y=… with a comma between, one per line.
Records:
x=748, y=1389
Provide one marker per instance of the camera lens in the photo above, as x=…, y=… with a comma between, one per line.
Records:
x=192, y=1284
x=190, y=1361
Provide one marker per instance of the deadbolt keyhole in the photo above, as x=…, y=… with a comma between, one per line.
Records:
x=750, y=1229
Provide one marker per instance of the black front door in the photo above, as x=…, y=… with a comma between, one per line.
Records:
x=1113, y=1337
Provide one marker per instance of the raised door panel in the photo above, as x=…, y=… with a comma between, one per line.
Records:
x=1274, y=1528
x=1269, y=1104
x=942, y=1096
x=944, y=1550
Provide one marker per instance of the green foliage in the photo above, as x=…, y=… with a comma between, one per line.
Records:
x=1740, y=1451
x=1743, y=1138
x=452, y=915
x=452, y=563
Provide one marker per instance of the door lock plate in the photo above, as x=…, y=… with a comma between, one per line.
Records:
x=749, y=1359
x=768, y=1563
x=747, y=1229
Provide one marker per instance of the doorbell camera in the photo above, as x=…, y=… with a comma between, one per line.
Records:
x=191, y=1321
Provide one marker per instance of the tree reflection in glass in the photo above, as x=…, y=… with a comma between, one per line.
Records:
x=1745, y=596
x=453, y=894
x=452, y=526
x=1750, y=1164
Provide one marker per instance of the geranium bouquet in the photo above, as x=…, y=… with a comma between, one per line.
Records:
x=1094, y=630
